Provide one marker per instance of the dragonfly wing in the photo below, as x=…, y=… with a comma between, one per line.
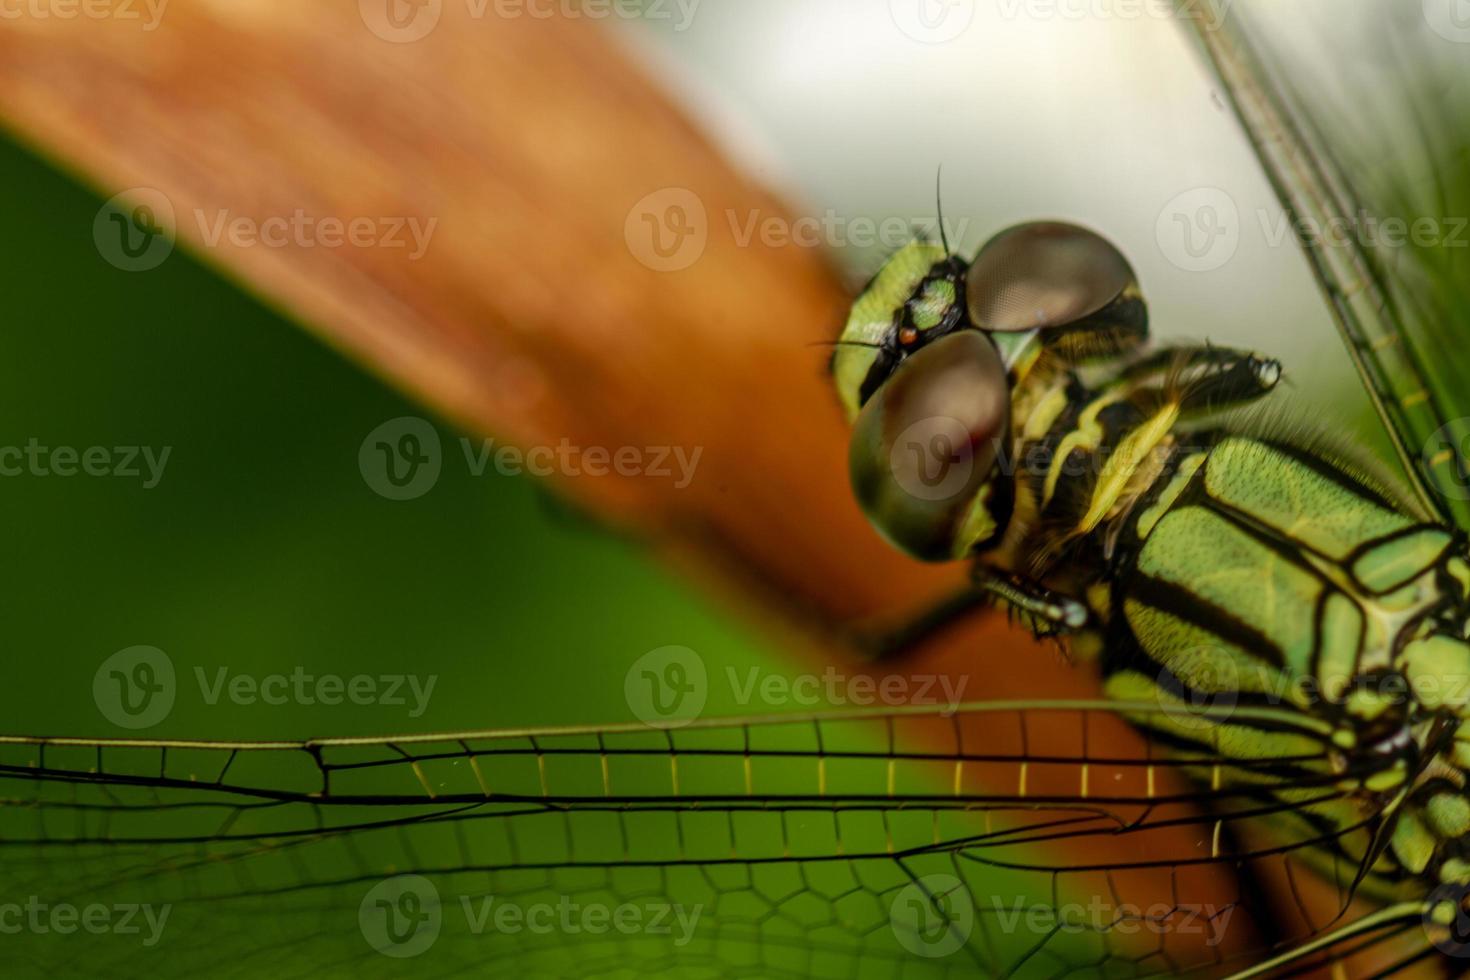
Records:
x=892, y=844
x=1360, y=116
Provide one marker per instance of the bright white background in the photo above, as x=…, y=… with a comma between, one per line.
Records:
x=1095, y=111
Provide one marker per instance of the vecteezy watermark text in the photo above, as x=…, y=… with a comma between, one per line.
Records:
x=942, y=21
x=1209, y=14
x=402, y=459
x=305, y=230
x=147, y=12
x=669, y=687
x=303, y=687
x=137, y=688
x=402, y=916
x=833, y=230
x=134, y=230
x=1099, y=916
x=934, y=916
x=679, y=12
x=669, y=229
x=569, y=917
x=1200, y=230
x=564, y=459
x=832, y=688
x=404, y=21
x=118, y=462
x=1370, y=230
x=1206, y=690
x=63, y=918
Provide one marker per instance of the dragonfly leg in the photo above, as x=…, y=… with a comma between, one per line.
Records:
x=1045, y=611
x=1239, y=378
x=1204, y=379
x=1048, y=613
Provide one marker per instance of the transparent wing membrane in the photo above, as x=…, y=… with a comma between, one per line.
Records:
x=1360, y=115
x=996, y=842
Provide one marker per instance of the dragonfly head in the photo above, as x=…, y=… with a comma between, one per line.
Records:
x=927, y=447
x=915, y=299
x=931, y=354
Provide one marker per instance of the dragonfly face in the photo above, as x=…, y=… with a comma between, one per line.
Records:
x=929, y=360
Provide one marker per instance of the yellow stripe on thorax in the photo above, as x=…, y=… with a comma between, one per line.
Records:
x=1087, y=435
x=1044, y=414
x=1135, y=448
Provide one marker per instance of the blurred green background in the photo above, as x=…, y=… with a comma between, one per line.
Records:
x=262, y=548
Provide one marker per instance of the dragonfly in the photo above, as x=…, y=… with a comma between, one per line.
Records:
x=996, y=839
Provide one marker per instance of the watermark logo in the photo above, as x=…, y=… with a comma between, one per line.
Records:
x=933, y=916
x=1447, y=919
x=132, y=229
x=1207, y=696
x=1452, y=438
x=667, y=687
x=135, y=688
x=145, y=463
x=1450, y=19
x=405, y=21
x=1364, y=228
x=400, y=21
x=1207, y=13
x=300, y=229
x=933, y=458
x=670, y=686
x=567, y=460
x=63, y=918
x=679, y=12
x=1100, y=916
x=668, y=230
x=401, y=917
x=835, y=689
x=932, y=21
x=832, y=230
x=409, y=691
x=1206, y=691
x=568, y=917
x=401, y=458
x=1199, y=230
x=149, y=13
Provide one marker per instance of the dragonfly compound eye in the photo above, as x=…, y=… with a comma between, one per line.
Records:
x=926, y=445
x=1053, y=277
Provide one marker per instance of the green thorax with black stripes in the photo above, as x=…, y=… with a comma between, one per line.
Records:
x=1256, y=572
